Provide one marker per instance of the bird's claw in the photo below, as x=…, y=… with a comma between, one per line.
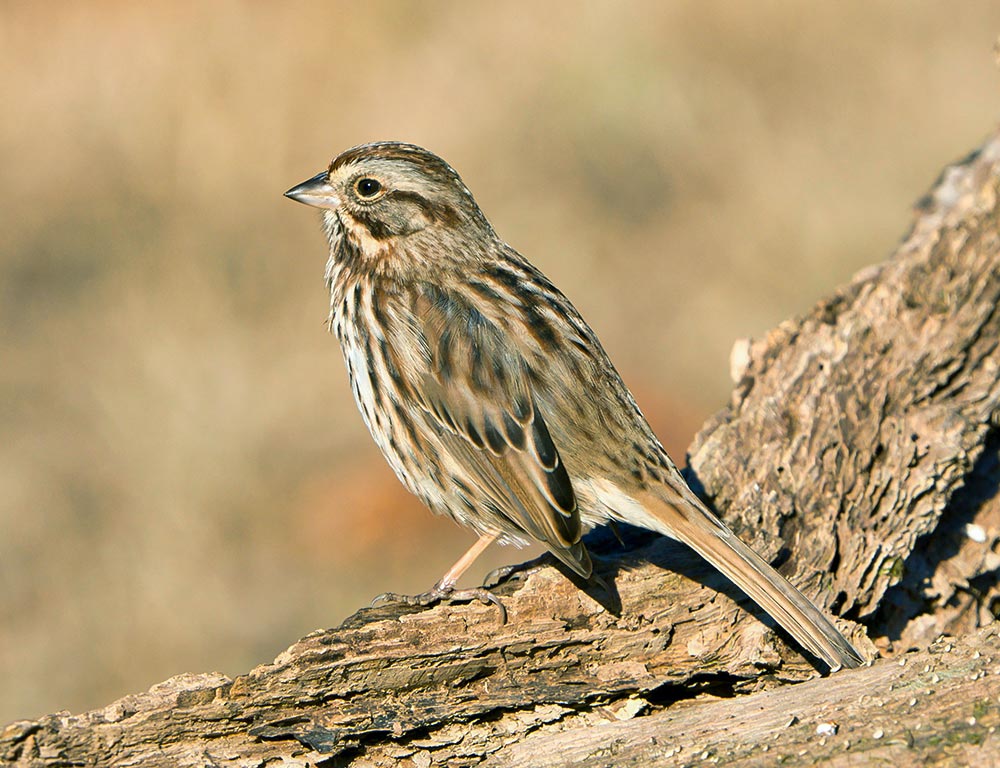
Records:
x=499, y=575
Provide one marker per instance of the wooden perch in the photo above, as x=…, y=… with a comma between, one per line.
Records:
x=859, y=452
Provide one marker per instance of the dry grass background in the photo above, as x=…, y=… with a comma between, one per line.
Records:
x=184, y=483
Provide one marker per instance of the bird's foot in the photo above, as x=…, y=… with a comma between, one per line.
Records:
x=445, y=593
x=499, y=575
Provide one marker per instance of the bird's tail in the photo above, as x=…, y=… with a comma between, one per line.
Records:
x=687, y=520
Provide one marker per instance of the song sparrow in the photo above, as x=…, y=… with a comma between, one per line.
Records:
x=488, y=393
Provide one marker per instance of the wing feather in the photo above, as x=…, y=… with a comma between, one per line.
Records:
x=473, y=386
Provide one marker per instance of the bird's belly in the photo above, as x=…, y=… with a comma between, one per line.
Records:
x=416, y=469
x=371, y=400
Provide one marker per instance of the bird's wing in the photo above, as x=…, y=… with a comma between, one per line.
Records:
x=475, y=390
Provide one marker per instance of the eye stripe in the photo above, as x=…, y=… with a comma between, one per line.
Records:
x=441, y=211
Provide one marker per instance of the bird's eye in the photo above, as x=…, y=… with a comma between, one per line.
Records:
x=367, y=188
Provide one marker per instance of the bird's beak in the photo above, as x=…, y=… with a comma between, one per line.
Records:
x=316, y=192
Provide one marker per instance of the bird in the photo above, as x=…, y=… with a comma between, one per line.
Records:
x=491, y=397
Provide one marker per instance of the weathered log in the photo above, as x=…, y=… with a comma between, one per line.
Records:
x=935, y=707
x=859, y=452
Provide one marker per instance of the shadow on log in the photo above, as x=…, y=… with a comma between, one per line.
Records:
x=859, y=453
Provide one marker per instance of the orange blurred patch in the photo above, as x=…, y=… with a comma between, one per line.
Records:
x=674, y=420
x=358, y=510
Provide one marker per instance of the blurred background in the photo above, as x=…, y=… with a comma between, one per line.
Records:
x=185, y=485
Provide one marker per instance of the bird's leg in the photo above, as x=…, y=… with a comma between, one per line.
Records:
x=454, y=573
x=445, y=590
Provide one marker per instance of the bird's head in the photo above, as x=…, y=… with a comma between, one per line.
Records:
x=377, y=196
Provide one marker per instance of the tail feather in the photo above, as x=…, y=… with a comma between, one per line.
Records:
x=689, y=522
x=576, y=557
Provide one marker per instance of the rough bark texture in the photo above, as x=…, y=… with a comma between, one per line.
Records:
x=868, y=415
x=859, y=452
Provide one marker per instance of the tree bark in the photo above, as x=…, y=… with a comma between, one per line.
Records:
x=859, y=453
